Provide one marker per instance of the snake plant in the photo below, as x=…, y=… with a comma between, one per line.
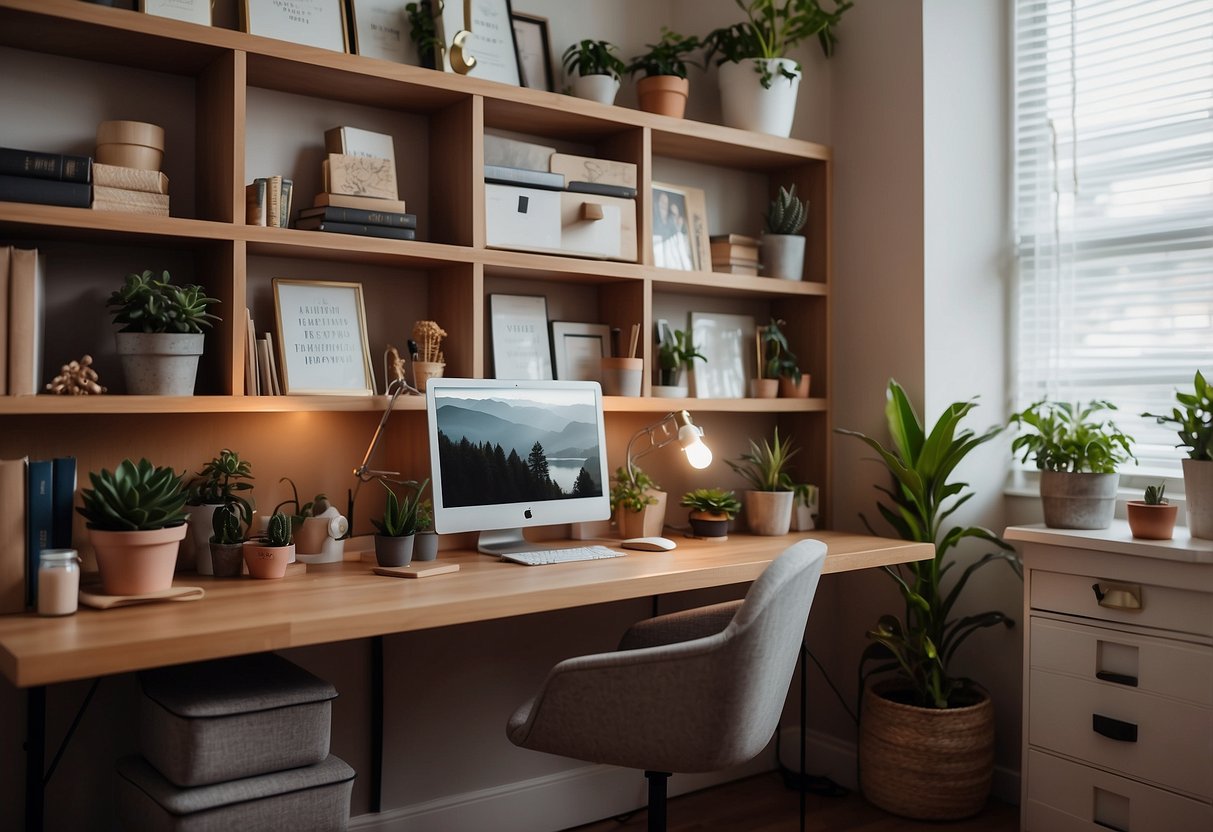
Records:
x=400, y=514
x=787, y=213
x=134, y=497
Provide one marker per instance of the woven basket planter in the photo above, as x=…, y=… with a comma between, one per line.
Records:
x=925, y=763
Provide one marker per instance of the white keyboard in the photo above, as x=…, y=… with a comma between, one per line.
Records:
x=545, y=556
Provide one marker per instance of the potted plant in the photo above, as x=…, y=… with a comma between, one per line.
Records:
x=711, y=511
x=758, y=82
x=227, y=542
x=637, y=503
x=664, y=87
x=595, y=68
x=770, y=346
x=804, y=507
x=394, y=543
x=676, y=354
x=218, y=483
x=768, y=503
x=1193, y=420
x=926, y=747
x=162, y=333
x=318, y=527
x=1152, y=517
x=136, y=521
x=1077, y=453
x=425, y=544
x=782, y=242
x=793, y=382
x=423, y=32
x=268, y=556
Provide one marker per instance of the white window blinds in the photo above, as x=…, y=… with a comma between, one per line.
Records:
x=1113, y=188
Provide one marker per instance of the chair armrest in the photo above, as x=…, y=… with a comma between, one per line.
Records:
x=679, y=626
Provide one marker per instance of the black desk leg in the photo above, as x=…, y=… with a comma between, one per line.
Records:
x=376, y=723
x=35, y=757
x=804, y=719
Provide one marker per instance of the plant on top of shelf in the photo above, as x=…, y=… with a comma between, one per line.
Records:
x=782, y=243
x=664, y=87
x=423, y=32
x=676, y=352
x=595, y=68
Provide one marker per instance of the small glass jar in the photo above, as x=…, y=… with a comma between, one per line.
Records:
x=58, y=582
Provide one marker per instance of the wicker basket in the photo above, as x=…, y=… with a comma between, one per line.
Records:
x=925, y=763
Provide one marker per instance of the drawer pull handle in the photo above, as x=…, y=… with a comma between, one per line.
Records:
x=1117, y=596
x=1116, y=678
x=591, y=211
x=1114, y=729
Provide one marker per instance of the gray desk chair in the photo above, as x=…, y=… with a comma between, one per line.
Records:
x=699, y=690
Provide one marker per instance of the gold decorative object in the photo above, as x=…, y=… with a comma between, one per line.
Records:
x=77, y=378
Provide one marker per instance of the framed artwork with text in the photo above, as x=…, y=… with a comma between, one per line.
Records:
x=322, y=338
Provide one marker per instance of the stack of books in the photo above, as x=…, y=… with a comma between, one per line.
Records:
x=512, y=162
x=267, y=201
x=35, y=514
x=45, y=178
x=735, y=254
x=360, y=195
x=133, y=190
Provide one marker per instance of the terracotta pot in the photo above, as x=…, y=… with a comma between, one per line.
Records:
x=425, y=546
x=1151, y=522
x=227, y=559
x=788, y=389
x=1078, y=500
x=768, y=512
x=135, y=563
x=665, y=95
x=393, y=551
x=647, y=523
x=706, y=524
x=267, y=561
x=764, y=388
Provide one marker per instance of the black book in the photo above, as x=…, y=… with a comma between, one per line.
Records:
x=317, y=224
x=621, y=191
x=44, y=191
x=332, y=213
x=61, y=166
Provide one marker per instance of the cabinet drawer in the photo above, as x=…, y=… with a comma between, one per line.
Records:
x=525, y=219
x=598, y=226
x=1162, y=607
x=1143, y=663
x=558, y=222
x=1064, y=796
x=1159, y=740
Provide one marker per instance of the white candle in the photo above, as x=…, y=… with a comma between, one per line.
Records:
x=58, y=582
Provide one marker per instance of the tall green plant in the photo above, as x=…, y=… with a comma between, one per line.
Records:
x=772, y=28
x=764, y=466
x=919, y=646
x=1193, y=419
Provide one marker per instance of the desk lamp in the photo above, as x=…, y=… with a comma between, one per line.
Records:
x=364, y=472
x=673, y=425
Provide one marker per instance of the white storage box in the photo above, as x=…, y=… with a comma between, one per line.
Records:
x=554, y=222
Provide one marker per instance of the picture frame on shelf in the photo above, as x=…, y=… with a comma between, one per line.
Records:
x=189, y=11
x=322, y=338
x=680, y=236
x=519, y=328
x=534, y=51
x=489, y=39
x=579, y=349
x=380, y=29
x=725, y=341
x=319, y=23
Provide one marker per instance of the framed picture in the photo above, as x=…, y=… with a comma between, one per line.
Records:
x=191, y=11
x=380, y=29
x=680, y=228
x=519, y=325
x=727, y=345
x=579, y=350
x=319, y=23
x=534, y=51
x=490, y=39
x=322, y=337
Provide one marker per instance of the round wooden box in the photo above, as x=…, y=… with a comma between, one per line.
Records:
x=130, y=144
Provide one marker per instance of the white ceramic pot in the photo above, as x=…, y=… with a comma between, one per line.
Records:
x=745, y=103
x=600, y=88
x=159, y=363
x=768, y=512
x=783, y=256
x=664, y=391
x=196, y=547
x=1198, y=491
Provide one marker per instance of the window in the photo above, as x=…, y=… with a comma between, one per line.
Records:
x=1113, y=189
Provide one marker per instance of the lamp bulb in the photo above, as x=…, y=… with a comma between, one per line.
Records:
x=698, y=454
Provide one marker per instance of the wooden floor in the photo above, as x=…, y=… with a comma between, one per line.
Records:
x=763, y=804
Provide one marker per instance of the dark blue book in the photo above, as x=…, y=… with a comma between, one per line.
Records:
x=39, y=509
x=44, y=191
x=63, y=493
x=332, y=213
x=61, y=166
x=316, y=224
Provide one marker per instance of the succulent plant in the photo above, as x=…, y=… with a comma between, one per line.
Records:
x=400, y=515
x=278, y=532
x=146, y=303
x=787, y=214
x=1154, y=495
x=225, y=523
x=134, y=497
x=712, y=501
x=218, y=482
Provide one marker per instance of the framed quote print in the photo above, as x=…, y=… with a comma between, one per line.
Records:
x=322, y=338
x=319, y=23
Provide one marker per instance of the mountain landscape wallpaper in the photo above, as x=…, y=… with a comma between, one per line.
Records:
x=500, y=449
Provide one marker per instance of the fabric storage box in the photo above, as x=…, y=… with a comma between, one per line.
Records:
x=220, y=720
x=315, y=798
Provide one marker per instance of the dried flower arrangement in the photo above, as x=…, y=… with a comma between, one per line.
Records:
x=428, y=336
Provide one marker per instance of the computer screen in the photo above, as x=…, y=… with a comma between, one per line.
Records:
x=505, y=455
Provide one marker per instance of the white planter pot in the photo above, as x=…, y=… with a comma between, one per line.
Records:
x=159, y=364
x=196, y=547
x=1198, y=491
x=600, y=88
x=1078, y=501
x=768, y=512
x=745, y=103
x=783, y=256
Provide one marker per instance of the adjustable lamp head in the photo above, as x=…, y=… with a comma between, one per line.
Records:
x=673, y=425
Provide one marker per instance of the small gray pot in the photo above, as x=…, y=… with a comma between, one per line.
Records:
x=426, y=547
x=1078, y=501
x=783, y=256
x=159, y=363
x=393, y=551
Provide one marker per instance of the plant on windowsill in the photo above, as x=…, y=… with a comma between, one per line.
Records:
x=711, y=511
x=398, y=525
x=637, y=503
x=136, y=520
x=1077, y=452
x=927, y=737
x=1193, y=420
x=594, y=68
x=664, y=87
x=782, y=243
x=268, y=556
x=768, y=503
x=1152, y=517
x=226, y=544
x=218, y=483
x=676, y=354
x=161, y=335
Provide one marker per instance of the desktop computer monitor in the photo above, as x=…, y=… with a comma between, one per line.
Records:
x=505, y=455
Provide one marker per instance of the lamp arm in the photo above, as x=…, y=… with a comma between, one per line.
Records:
x=364, y=473
x=654, y=443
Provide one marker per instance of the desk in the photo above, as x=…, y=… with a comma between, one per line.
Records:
x=338, y=602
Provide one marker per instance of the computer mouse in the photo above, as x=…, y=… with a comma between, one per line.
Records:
x=649, y=544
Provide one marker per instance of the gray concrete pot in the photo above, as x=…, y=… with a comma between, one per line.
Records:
x=159, y=363
x=393, y=551
x=768, y=512
x=426, y=546
x=1078, y=501
x=1198, y=494
x=783, y=256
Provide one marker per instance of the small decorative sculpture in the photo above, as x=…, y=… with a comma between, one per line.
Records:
x=77, y=378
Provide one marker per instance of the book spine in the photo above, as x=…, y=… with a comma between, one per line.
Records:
x=368, y=230
x=12, y=535
x=361, y=217
x=523, y=176
x=24, y=323
x=39, y=512
x=254, y=203
x=366, y=203
x=63, y=492
x=32, y=163
x=130, y=179
x=44, y=191
x=273, y=202
x=602, y=189
x=123, y=199
x=284, y=203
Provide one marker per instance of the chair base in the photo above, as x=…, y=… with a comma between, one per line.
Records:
x=657, y=794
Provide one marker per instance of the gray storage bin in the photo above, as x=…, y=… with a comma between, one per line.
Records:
x=315, y=798
x=226, y=719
